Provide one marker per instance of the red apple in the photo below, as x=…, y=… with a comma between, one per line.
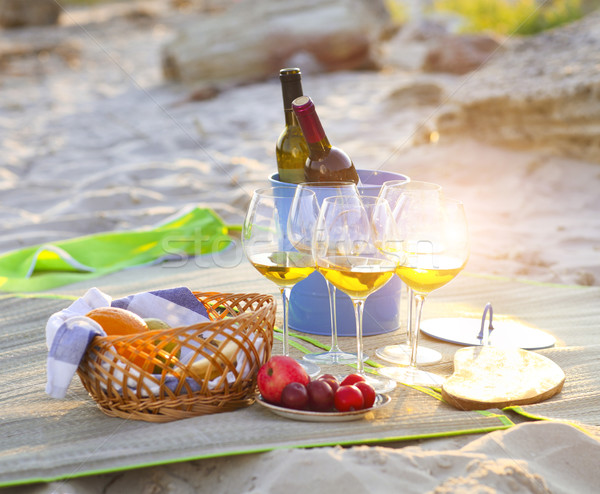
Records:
x=276, y=374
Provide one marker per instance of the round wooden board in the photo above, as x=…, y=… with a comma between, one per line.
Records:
x=489, y=377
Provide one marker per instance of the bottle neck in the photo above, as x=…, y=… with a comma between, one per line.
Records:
x=318, y=144
x=319, y=150
x=290, y=118
x=290, y=90
x=291, y=87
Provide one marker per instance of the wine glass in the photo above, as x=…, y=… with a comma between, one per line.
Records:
x=301, y=225
x=399, y=353
x=267, y=247
x=346, y=255
x=431, y=242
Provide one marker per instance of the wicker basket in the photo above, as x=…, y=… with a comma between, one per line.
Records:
x=164, y=388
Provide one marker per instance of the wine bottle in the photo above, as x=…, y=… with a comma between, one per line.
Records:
x=291, y=149
x=325, y=163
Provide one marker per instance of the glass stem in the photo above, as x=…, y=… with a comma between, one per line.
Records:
x=410, y=298
x=285, y=295
x=332, y=311
x=414, y=343
x=358, y=316
x=409, y=314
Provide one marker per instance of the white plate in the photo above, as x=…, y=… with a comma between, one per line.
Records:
x=506, y=333
x=308, y=416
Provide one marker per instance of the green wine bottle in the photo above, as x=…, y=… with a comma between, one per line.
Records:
x=325, y=163
x=291, y=149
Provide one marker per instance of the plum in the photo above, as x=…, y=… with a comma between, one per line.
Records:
x=295, y=395
x=352, y=379
x=331, y=380
x=368, y=393
x=320, y=396
x=348, y=398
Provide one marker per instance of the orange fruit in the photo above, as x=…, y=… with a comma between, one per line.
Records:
x=117, y=321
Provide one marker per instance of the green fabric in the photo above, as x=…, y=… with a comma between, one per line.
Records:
x=42, y=267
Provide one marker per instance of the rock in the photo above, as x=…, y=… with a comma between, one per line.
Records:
x=17, y=13
x=459, y=54
x=38, y=49
x=252, y=40
x=422, y=30
x=408, y=49
x=543, y=91
x=431, y=45
x=203, y=5
x=419, y=93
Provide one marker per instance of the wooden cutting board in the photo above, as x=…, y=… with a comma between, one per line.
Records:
x=491, y=377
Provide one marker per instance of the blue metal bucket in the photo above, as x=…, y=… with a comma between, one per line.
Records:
x=309, y=301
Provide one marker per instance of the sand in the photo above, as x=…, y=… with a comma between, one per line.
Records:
x=92, y=139
x=531, y=458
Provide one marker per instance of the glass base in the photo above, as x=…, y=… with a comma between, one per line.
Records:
x=333, y=357
x=400, y=354
x=411, y=376
x=311, y=368
x=380, y=384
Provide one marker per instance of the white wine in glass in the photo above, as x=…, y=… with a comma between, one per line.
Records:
x=283, y=268
x=268, y=248
x=346, y=255
x=301, y=226
x=431, y=242
x=399, y=353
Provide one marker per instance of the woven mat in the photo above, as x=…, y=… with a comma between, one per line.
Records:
x=45, y=439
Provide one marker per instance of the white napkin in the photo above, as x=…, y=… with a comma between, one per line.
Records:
x=69, y=332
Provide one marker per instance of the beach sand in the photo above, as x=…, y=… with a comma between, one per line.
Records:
x=534, y=458
x=92, y=139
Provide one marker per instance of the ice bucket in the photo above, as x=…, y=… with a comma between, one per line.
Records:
x=309, y=301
